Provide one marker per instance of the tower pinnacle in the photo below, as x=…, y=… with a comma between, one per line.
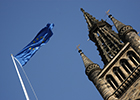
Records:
x=117, y=23
x=121, y=28
x=87, y=62
x=89, y=65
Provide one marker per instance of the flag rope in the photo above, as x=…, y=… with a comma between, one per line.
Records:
x=29, y=83
x=27, y=79
x=22, y=84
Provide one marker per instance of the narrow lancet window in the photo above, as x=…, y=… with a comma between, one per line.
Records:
x=134, y=58
x=119, y=73
x=126, y=65
x=112, y=81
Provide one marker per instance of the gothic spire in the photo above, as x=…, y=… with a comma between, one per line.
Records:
x=87, y=62
x=107, y=41
x=117, y=23
x=91, y=21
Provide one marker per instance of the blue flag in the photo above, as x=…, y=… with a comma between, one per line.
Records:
x=41, y=39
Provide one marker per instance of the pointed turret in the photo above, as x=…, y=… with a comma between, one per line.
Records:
x=121, y=28
x=117, y=23
x=87, y=62
x=127, y=34
x=89, y=65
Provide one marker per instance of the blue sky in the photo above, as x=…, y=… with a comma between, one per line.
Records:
x=56, y=71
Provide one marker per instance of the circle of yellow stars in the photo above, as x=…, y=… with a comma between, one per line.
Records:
x=35, y=41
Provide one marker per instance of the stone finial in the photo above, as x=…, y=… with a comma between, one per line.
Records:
x=82, y=10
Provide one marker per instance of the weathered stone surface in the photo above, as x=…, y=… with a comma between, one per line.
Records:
x=120, y=77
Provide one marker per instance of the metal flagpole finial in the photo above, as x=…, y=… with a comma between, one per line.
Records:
x=108, y=12
x=88, y=39
x=78, y=47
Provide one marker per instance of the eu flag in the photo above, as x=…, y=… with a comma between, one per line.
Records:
x=41, y=39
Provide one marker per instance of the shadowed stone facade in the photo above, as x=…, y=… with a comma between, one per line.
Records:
x=120, y=53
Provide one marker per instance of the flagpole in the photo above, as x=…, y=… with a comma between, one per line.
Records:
x=22, y=84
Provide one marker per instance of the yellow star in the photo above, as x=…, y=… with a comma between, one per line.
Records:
x=30, y=48
x=41, y=37
x=33, y=41
x=33, y=48
x=36, y=38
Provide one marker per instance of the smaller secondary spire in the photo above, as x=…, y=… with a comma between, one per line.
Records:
x=121, y=28
x=117, y=23
x=87, y=62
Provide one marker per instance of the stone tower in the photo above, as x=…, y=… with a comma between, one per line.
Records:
x=120, y=53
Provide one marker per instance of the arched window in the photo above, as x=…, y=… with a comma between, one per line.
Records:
x=126, y=65
x=117, y=71
x=133, y=57
x=112, y=81
x=138, y=99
